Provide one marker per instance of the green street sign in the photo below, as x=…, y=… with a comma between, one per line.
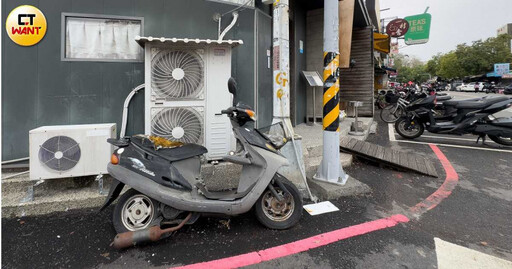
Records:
x=419, y=29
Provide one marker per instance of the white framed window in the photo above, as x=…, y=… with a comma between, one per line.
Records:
x=101, y=38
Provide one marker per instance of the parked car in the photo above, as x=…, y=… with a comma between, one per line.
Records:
x=465, y=87
x=453, y=86
x=470, y=87
x=508, y=89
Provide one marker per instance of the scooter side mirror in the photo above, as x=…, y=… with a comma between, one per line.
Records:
x=232, y=87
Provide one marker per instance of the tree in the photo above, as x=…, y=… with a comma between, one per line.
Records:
x=432, y=66
x=468, y=60
x=450, y=66
x=410, y=69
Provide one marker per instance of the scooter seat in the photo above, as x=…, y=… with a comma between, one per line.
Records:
x=480, y=103
x=443, y=98
x=455, y=102
x=171, y=154
x=180, y=153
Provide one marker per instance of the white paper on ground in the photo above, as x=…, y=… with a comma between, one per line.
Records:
x=320, y=208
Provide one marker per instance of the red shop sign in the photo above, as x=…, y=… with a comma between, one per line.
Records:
x=397, y=27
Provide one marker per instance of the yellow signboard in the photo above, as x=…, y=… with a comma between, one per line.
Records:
x=381, y=42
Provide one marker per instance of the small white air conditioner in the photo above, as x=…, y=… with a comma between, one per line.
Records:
x=70, y=150
x=186, y=86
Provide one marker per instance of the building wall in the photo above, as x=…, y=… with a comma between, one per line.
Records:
x=298, y=62
x=314, y=58
x=506, y=29
x=39, y=89
x=357, y=83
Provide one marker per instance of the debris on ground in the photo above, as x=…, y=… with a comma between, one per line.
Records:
x=225, y=223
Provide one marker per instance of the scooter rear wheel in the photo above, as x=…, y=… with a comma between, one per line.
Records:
x=501, y=140
x=134, y=211
x=279, y=215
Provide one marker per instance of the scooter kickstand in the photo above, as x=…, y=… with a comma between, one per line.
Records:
x=483, y=139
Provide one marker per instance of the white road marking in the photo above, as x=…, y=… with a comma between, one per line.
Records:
x=452, y=256
x=391, y=132
x=453, y=146
x=392, y=138
x=454, y=138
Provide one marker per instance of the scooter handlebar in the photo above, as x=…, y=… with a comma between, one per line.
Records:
x=227, y=111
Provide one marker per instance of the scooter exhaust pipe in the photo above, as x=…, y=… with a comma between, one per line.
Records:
x=152, y=234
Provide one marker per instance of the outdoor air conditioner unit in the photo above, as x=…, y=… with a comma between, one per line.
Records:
x=186, y=86
x=70, y=150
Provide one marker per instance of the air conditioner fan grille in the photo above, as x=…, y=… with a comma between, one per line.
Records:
x=177, y=74
x=178, y=124
x=59, y=153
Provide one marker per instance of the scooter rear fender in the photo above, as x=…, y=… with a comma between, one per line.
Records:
x=115, y=190
x=490, y=129
x=498, y=106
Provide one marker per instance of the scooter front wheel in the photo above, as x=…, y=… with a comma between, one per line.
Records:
x=276, y=214
x=391, y=113
x=409, y=129
x=134, y=211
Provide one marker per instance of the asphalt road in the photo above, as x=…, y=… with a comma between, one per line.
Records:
x=476, y=215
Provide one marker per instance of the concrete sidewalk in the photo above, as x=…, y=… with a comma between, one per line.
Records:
x=73, y=193
x=312, y=145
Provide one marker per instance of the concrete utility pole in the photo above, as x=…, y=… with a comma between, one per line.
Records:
x=281, y=62
x=330, y=169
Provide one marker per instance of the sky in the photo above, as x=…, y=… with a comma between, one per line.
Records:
x=453, y=22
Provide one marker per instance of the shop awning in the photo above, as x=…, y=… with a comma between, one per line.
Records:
x=388, y=68
x=384, y=69
x=143, y=40
x=492, y=75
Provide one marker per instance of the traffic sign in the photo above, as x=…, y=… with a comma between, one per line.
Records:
x=419, y=29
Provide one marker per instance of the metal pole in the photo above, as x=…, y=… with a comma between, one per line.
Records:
x=281, y=62
x=314, y=105
x=330, y=169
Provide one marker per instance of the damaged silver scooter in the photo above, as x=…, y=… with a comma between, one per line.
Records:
x=167, y=191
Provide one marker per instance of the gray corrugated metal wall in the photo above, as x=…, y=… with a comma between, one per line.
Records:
x=356, y=84
x=39, y=89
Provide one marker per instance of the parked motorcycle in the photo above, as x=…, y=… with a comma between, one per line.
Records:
x=166, y=188
x=471, y=117
x=490, y=88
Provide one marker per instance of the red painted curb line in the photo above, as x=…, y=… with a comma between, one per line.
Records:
x=323, y=239
x=442, y=192
x=300, y=245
